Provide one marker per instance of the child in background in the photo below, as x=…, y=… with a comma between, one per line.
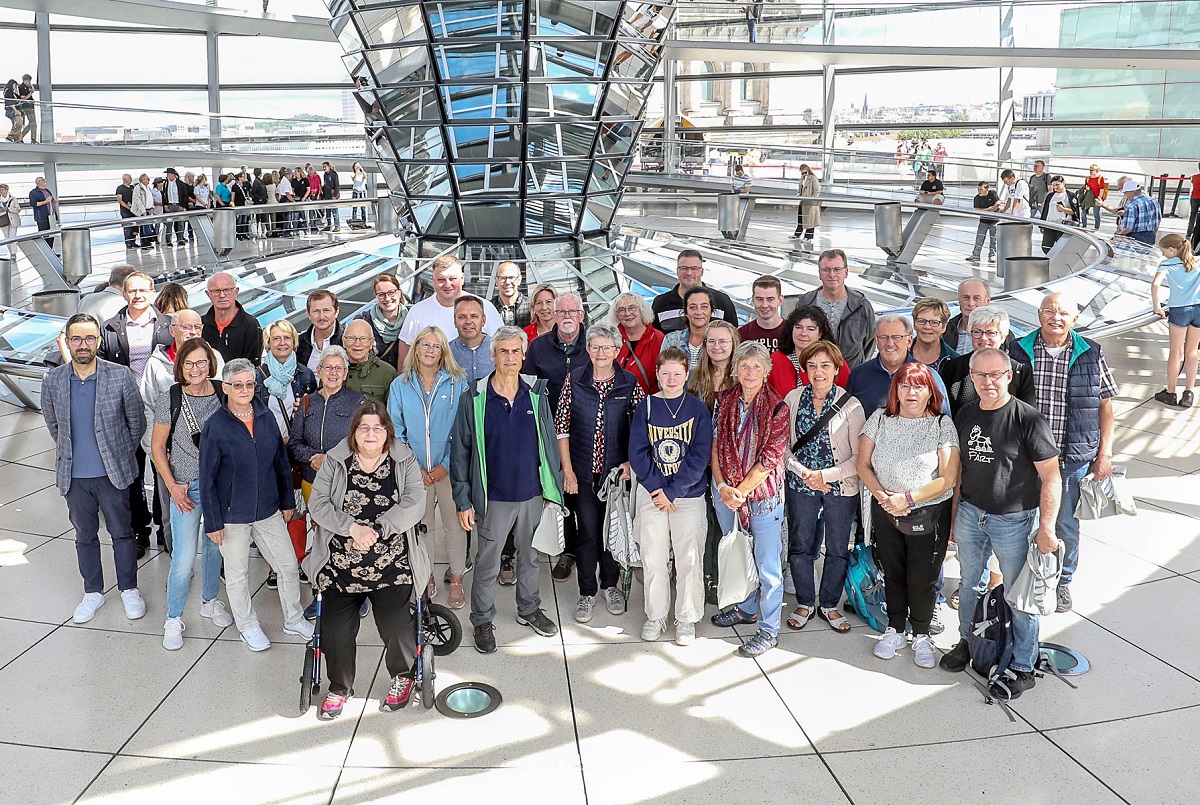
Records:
x=1183, y=315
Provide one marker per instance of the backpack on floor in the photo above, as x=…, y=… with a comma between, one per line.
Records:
x=864, y=587
x=992, y=640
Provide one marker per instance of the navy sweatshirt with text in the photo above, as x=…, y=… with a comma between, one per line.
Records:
x=671, y=451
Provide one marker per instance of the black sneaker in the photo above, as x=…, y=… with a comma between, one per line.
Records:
x=272, y=580
x=1167, y=397
x=485, y=638
x=508, y=573
x=1064, y=599
x=538, y=621
x=710, y=591
x=1185, y=399
x=562, y=568
x=1012, y=685
x=303, y=577
x=957, y=659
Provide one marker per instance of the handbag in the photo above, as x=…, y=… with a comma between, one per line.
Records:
x=548, y=537
x=1105, y=498
x=737, y=572
x=1034, y=591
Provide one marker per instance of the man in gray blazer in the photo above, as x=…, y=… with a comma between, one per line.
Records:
x=96, y=419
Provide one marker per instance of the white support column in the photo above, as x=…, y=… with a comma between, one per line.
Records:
x=45, y=95
x=214, y=92
x=1007, y=110
x=828, y=94
x=670, y=113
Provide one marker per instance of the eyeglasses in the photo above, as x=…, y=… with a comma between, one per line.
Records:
x=189, y=328
x=357, y=339
x=332, y=369
x=832, y=269
x=377, y=430
x=132, y=291
x=1051, y=313
x=905, y=388
x=90, y=340
x=719, y=342
x=280, y=339
x=200, y=364
x=928, y=322
x=388, y=294
x=628, y=309
x=247, y=386
x=993, y=376
x=430, y=347
x=895, y=339
x=222, y=291
x=565, y=313
x=602, y=349
x=985, y=333
x=507, y=280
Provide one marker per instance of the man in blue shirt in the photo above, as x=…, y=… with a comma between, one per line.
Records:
x=472, y=350
x=870, y=381
x=1142, y=214
x=503, y=422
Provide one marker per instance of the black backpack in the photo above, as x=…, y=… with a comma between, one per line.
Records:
x=991, y=640
x=176, y=393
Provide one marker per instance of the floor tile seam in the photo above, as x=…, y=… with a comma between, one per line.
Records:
x=362, y=713
x=570, y=693
x=1081, y=765
x=1142, y=649
x=812, y=744
x=1120, y=719
x=33, y=645
x=1120, y=549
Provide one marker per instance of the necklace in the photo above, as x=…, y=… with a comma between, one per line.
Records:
x=678, y=408
x=246, y=415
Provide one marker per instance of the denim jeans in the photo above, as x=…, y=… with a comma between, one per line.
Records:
x=185, y=529
x=1067, y=526
x=358, y=213
x=767, y=530
x=983, y=229
x=1095, y=214
x=804, y=544
x=1008, y=536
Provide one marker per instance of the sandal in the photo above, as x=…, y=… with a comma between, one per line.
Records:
x=431, y=590
x=954, y=600
x=798, y=621
x=732, y=617
x=455, y=598
x=838, y=624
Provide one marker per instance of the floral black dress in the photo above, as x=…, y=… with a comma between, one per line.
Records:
x=384, y=564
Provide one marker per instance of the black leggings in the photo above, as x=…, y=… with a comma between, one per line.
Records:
x=590, y=550
x=395, y=619
x=910, y=566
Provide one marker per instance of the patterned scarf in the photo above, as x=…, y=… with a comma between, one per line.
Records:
x=387, y=330
x=763, y=439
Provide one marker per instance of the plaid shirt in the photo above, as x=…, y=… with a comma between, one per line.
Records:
x=516, y=314
x=1141, y=214
x=1052, y=386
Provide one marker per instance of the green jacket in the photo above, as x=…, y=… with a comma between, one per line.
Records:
x=372, y=378
x=468, y=456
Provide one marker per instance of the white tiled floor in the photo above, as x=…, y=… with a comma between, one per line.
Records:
x=101, y=714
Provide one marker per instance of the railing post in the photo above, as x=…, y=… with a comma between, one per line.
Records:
x=385, y=215
x=1013, y=239
x=76, y=254
x=224, y=229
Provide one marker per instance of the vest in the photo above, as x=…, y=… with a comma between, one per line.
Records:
x=585, y=404
x=1082, y=439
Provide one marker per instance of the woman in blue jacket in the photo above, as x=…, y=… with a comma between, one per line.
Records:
x=422, y=403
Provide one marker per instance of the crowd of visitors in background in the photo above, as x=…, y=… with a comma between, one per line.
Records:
x=325, y=448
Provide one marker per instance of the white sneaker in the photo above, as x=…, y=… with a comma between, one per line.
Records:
x=583, y=610
x=685, y=633
x=214, y=610
x=173, y=634
x=923, y=656
x=256, y=639
x=615, y=601
x=300, y=628
x=135, y=607
x=653, y=630
x=87, y=607
x=889, y=644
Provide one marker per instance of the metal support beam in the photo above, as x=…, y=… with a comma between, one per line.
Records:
x=214, y=91
x=45, y=109
x=202, y=228
x=46, y=263
x=828, y=93
x=919, y=225
x=670, y=115
x=1068, y=255
x=1006, y=106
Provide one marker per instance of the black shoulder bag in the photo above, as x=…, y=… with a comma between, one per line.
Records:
x=826, y=415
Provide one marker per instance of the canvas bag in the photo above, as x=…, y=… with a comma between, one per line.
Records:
x=737, y=572
x=548, y=537
x=1105, y=498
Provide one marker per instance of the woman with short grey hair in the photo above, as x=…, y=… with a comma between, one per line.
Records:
x=246, y=494
x=988, y=327
x=640, y=340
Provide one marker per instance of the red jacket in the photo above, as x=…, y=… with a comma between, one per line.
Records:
x=783, y=377
x=647, y=351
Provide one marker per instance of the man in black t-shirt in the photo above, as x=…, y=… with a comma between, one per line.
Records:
x=125, y=203
x=985, y=199
x=1009, y=492
x=932, y=190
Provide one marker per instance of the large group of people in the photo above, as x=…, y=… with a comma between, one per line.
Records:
x=326, y=449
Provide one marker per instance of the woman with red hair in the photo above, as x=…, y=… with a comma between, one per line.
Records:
x=908, y=460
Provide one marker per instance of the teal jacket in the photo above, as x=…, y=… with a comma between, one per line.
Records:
x=426, y=431
x=468, y=456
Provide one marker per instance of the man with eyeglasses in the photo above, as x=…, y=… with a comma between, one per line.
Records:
x=552, y=357
x=96, y=420
x=472, y=350
x=369, y=375
x=325, y=330
x=1074, y=389
x=850, y=314
x=669, y=308
x=871, y=381
x=512, y=304
x=438, y=310
x=128, y=339
x=988, y=329
x=1009, y=495
x=972, y=293
x=228, y=328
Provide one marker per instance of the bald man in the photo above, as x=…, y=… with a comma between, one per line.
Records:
x=512, y=304
x=368, y=374
x=972, y=293
x=1074, y=389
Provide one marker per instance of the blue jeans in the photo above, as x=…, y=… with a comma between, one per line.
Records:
x=804, y=544
x=1008, y=536
x=1067, y=526
x=186, y=530
x=767, y=530
x=1095, y=214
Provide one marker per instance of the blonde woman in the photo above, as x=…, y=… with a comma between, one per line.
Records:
x=808, y=217
x=713, y=372
x=541, y=304
x=422, y=403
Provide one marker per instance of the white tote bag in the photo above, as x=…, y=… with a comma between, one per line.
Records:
x=737, y=573
x=549, y=537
